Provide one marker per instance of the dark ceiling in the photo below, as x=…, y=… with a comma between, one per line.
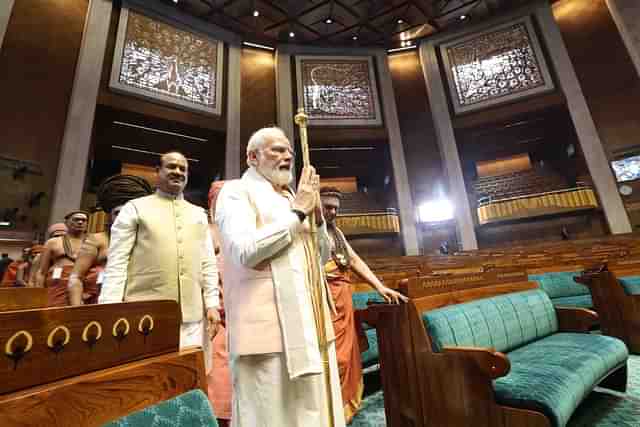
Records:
x=382, y=23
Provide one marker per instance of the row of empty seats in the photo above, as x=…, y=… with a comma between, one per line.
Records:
x=532, y=181
x=506, y=333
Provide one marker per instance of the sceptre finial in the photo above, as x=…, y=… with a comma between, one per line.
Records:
x=301, y=118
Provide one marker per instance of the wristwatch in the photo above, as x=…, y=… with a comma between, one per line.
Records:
x=301, y=215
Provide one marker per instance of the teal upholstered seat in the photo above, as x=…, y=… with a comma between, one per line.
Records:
x=631, y=284
x=579, y=301
x=371, y=356
x=191, y=409
x=561, y=285
x=360, y=299
x=551, y=372
x=572, y=365
x=503, y=322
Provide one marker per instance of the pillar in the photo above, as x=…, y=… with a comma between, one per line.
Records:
x=74, y=154
x=594, y=154
x=401, y=179
x=5, y=13
x=233, y=143
x=626, y=15
x=447, y=143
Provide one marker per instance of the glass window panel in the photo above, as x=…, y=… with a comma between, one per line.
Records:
x=494, y=65
x=163, y=59
x=337, y=89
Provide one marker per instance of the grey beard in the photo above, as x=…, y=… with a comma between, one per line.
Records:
x=276, y=176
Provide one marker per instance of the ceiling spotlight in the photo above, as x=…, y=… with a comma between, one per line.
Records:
x=328, y=21
x=400, y=21
x=256, y=13
x=463, y=17
x=292, y=34
x=355, y=37
x=175, y=1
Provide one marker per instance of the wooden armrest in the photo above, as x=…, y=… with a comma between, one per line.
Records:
x=576, y=319
x=493, y=363
x=372, y=313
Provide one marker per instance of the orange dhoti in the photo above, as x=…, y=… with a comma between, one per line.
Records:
x=347, y=349
x=219, y=379
x=57, y=288
x=90, y=285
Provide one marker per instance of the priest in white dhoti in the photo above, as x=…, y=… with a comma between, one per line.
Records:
x=161, y=248
x=279, y=325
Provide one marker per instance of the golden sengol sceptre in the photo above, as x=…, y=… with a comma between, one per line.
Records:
x=317, y=276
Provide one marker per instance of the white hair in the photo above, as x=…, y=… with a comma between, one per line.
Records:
x=260, y=138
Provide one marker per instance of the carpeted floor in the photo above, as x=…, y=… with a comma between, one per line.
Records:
x=603, y=408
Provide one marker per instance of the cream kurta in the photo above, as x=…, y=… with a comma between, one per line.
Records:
x=161, y=248
x=265, y=284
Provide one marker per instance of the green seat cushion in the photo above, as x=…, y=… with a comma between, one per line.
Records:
x=554, y=374
x=370, y=357
x=191, y=409
x=561, y=284
x=631, y=284
x=580, y=301
x=360, y=299
x=502, y=322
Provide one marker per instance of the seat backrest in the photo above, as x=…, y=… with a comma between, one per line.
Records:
x=191, y=409
x=502, y=322
x=560, y=284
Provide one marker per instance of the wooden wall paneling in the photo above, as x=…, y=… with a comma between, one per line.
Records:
x=258, y=95
x=583, y=122
x=626, y=15
x=93, y=399
x=608, y=78
x=37, y=66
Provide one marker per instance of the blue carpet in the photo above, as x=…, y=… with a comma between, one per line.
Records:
x=602, y=408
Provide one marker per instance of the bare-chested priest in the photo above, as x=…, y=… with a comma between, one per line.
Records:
x=88, y=273
x=344, y=261
x=59, y=256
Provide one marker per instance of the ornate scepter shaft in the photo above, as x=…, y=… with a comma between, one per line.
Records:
x=317, y=277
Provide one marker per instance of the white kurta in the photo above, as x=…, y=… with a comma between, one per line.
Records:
x=277, y=374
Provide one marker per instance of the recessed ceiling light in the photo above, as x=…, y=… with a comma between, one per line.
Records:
x=463, y=17
x=175, y=1
x=355, y=37
x=328, y=21
x=292, y=34
x=400, y=21
x=256, y=13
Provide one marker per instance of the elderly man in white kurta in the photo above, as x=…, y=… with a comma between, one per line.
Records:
x=273, y=312
x=161, y=248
